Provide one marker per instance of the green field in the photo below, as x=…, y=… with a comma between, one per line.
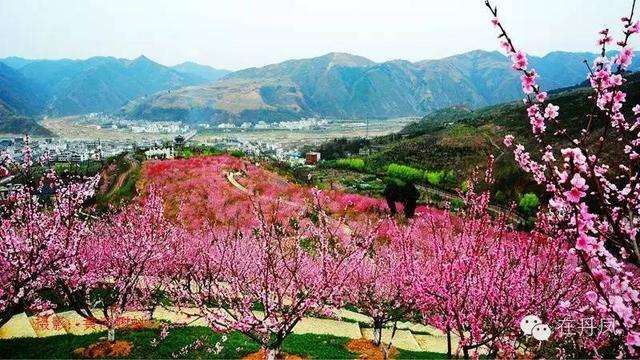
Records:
x=236, y=346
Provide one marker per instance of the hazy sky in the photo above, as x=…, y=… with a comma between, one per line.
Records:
x=235, y=34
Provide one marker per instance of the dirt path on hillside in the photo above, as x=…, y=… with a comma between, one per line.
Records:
x=232, y=180
x=133, y=164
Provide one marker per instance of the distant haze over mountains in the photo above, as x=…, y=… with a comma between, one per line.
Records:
x=334, y=85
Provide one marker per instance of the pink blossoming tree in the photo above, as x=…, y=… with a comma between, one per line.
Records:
x=263, y=278
x=40, y=233
x=378, y=284
x=594, y=199
x=118, y=267
x=475, y=278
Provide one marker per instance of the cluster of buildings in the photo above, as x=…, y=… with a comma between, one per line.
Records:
x=160, y=127
x=72, y=150
x=258, y=149
x=160, y=152
x=303, y=124
x=113, y=122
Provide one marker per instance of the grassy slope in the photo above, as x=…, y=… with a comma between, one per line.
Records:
x=237, y=345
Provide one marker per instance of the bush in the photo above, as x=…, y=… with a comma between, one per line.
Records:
x=464, y=186
x=450, y=180
x=350, y=164
x=500, y=197
x=434, y=178
x=211, y=150
x=456, y=204
x=405, y=173
x=529, y=203
x=186, y=153
x=237, y=153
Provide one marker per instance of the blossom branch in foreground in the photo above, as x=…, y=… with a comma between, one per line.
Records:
x=595, y=198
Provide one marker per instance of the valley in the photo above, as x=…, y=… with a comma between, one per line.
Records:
x=296, y=139
x=79, y=128
x=334, y=86
x=69, y=128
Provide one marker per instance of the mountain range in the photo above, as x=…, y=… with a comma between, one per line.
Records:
x=348, y=86
x=336, y=85
x=97, y=84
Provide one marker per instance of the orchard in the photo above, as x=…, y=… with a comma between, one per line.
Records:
x=259, y=258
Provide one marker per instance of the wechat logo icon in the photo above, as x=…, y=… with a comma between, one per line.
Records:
x=532, y=325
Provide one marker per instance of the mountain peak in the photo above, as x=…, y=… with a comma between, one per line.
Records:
x=473, y=54
x=142, y=62
x=346, y=59
x=188, y=63
x=143, y=59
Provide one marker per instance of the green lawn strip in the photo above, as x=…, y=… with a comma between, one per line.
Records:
x=405, y=354
x=318, y=346
x=237, y=345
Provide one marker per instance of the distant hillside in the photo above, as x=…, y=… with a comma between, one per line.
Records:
x=12, y=123
x=98, y=84
x=19, y=93
x=459, y=139
x=16, y=62
x=348, y=86
x=20, y=125
x=202, y=71
x=19, y=99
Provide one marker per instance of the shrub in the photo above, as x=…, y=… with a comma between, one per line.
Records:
x=186, y=153
x=237, y=153
x=350, y=164
x=450, y=180
x=211, y=150
x=405, y=173
x=529, y=203
x=456, y=204
x=434, y=178
x=464, y=186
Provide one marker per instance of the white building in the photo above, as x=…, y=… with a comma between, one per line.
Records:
x=159, y=153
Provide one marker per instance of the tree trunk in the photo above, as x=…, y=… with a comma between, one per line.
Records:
x=377, y=331
x=465, y=352
x=272, y=354
x=377, y=336
x=111, y=334
x=449, y=343
x=393, y=333
x=6, y=316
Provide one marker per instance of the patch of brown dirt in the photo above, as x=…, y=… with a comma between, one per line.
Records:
x=106, y=178
x=262, y=355
x=140, y=325
x=367, y=350
x=112, y=349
